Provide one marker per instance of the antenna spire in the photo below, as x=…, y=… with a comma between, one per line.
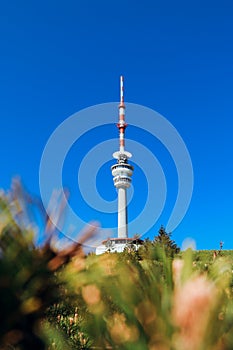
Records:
x=121, y=89
x=122, y=124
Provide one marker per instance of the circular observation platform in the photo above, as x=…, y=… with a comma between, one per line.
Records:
x=122, y=175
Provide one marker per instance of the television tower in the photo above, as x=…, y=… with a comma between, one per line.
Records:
x=122, y=171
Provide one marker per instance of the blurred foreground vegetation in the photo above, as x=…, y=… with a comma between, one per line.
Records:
x=157, y=298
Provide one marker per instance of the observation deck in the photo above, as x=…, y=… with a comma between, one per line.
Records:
x=122, y=172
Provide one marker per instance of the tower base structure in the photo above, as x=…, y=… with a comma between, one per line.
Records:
x=118, y=245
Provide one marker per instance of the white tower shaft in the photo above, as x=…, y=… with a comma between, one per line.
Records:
x=122, y=213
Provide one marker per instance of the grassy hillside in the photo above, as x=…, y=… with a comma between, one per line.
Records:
x=153, y=299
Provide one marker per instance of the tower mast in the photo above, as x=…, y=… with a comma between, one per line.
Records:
x=121, y=124
x=122, y=171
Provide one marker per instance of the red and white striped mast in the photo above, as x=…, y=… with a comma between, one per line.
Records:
x=122, y=124
x=122, y=171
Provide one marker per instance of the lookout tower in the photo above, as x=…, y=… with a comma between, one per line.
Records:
x=122, y=172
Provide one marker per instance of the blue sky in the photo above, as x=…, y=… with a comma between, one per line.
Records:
x=177, y=58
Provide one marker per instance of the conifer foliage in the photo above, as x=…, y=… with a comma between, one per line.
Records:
x=163, y=239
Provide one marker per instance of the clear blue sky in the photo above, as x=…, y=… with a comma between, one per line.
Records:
x=58, y=57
